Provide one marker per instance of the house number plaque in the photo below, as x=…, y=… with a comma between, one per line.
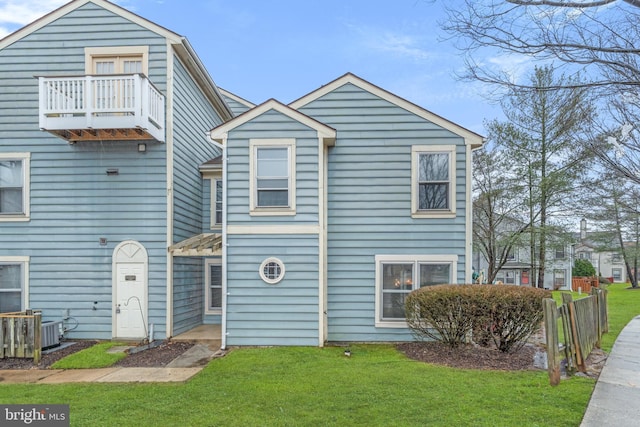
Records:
x=130, y=277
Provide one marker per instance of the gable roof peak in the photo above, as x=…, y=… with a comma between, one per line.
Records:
x=470, y=137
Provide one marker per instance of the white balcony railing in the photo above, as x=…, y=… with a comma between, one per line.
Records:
x=70, y=106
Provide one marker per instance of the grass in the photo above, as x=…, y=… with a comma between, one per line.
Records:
x=305, y=386
x=93, y=357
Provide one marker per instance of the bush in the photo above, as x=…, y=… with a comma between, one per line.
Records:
x=502, y=315
x=583, y=268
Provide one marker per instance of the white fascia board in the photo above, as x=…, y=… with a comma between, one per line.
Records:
x=470, y=138
x=219, y=133
x=236, y=98
x=73, y=5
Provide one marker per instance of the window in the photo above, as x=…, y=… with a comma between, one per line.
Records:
x=616, y=258
x=617, y=274
x=510, y=277
x=559, y=279
x=213, y=279
x=14, y=186
x=584, y=255
x=217, y=200
x=117, y=60
x=272, y=167
x=13, y=283
x=271, y=270
x=397, y=276
x=560, y=254
x=433, y=181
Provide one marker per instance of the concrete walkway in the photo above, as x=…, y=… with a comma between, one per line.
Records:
x=614, y=401
x=180, y=369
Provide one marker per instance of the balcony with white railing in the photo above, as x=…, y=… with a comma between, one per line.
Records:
x=104, y=107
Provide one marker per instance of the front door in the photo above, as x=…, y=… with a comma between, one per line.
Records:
x=130, y=308
x=130, y=314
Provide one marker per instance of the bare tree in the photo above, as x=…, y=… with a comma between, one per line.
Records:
x=597, y=38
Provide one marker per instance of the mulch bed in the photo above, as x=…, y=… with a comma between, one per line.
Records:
x=469, y=356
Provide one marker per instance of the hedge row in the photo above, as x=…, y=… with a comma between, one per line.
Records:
x=502, y=315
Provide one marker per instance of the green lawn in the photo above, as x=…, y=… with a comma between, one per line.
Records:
x=291, y=386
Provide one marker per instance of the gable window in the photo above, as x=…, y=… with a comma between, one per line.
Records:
x=433, y=181
x=14, y=186
x=117, y=60
x=397, y=276
x=213, y=279
x=13, y=283
x=272, y=165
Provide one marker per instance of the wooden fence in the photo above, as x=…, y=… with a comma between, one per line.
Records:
x=584, y=284
x=20, y=335
x=583, y=323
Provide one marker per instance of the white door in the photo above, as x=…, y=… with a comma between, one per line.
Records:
x=130, y=288
x=130, y=304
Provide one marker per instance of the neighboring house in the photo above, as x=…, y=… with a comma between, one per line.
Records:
x=517, y=269
x=597, y=248
x=289, y=225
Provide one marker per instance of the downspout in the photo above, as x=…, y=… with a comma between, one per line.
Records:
x=223, y=326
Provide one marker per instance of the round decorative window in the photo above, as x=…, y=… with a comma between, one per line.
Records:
x=272, y=270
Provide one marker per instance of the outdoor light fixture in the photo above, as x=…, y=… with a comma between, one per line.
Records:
x=142, y=147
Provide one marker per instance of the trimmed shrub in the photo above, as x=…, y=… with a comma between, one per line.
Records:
x=502, y=315
x=441, y=313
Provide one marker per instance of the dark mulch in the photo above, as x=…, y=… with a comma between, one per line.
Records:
x=153, y=357
x=469, y=356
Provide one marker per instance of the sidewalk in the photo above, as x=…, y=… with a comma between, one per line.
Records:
x=614, y=401
x=179, y=370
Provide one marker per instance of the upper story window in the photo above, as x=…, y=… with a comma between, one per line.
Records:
x=272, y=165
x=117, y=60
x=560, y=253
x=14, y=186
x=616, y=258
x=433, y=181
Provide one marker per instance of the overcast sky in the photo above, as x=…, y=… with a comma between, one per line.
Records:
x=284, y=49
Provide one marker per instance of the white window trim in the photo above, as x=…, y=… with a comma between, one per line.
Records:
x=24, y=260
x=416, y=150
x=207, y=280
x=613, y=275
x=407, y=259
x=110, y=51
x=267, y=279
x=213, y=223
x=254, y=144
x=26, y=186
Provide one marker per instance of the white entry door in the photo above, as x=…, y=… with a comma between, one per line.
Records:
x=131, y=306
x=130, y=312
